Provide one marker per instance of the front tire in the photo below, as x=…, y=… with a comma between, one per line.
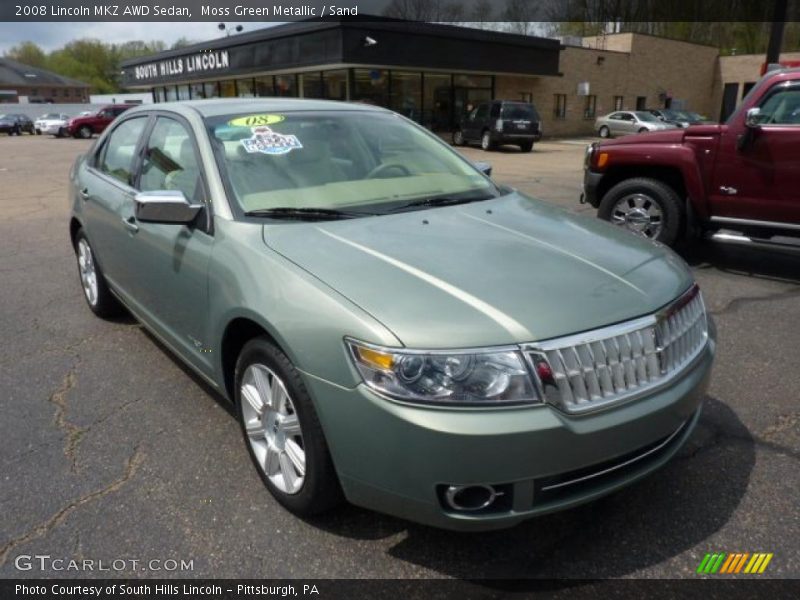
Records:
x=458, y=138
x=646, y=207
x=643, y=130
x=605, y=132
x=486, y=141
x=282, y=431
x=85, y=132
x=95, y=289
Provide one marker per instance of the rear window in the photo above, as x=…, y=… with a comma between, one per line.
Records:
x=520, y=111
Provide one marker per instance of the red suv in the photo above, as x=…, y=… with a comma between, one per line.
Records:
x=742, y=176
x=85, y=127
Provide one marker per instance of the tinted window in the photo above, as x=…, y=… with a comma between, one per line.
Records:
x=782, y=108
x=520, y=111
x=170, y=162
x=482, y=111
x=120, y=148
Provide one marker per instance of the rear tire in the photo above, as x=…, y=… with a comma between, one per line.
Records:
x=458, y=138
x=95, y=289
x=643, y=130
x=282, y=431
x=526, y=146
x=85, y=132
x=605, y=132
x=646, y=207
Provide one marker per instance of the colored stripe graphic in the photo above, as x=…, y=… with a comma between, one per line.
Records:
x=734, y=562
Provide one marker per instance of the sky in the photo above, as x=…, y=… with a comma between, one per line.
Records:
x=51, y=36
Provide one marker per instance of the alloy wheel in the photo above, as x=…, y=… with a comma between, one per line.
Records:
x=486, y=141
x=273, y=428
x=640, y=214
x=458, y=138
x=87, y=271
x=85, y=132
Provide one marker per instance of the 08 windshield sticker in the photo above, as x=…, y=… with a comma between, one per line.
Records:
x=256, y=120
x=266, y=141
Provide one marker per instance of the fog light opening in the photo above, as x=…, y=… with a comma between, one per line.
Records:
x=471, y=497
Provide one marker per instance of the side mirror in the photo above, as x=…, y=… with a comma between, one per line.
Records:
x=484, y=167
x=165, y=206
x=753, y=117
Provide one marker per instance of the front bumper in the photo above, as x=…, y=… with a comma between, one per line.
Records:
x=52, y=129
x=591, y=181
x=396, y=458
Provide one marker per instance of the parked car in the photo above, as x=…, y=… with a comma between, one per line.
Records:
x=742, y=176
x=624, y=122
x=86, y=126
x=15, y=124
x=52, y=124
x=390, y=325
x=500, y=122
x=679, y=118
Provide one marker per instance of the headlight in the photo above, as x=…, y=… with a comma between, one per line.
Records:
x=453, y=377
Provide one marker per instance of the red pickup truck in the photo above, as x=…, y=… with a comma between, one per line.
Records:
x=88, y=125
x=742, y=176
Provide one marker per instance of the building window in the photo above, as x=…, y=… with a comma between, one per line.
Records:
x=641, y=102
x=311, y=84
x=197, y=91
x=335, y=84
x=590, y=108
x=405, y=96
x=286, y=85
x=172, y=93
x=183, y=92
x=227, y=89
x=748, y=85
x=371, y=86
x=437, y=101
x=618, y=102
x=211, y=89
x=244, y=88
x=560, y=106
x=265, y=86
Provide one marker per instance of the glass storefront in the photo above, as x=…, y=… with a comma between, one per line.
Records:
x=245, y=88
x=436, y=100
x=405, y=95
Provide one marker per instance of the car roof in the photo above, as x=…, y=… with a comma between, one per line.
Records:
x=225, y=106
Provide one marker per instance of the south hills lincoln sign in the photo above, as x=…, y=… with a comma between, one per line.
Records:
x=202, y=62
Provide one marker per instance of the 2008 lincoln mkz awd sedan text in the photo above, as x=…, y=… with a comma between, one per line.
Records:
x=394, y=328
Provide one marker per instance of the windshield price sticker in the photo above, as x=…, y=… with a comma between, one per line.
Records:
x=266, y=141
x=256, y=120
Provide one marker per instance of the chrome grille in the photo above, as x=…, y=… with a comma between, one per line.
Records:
x=608, y=365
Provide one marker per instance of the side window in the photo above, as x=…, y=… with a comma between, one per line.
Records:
x=495, y=111
x=170, y=162
x=782, y=108
x=105, y=114
x=482, y=111
x=118, y=154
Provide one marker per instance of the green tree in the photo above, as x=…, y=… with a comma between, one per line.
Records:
x=28, y=53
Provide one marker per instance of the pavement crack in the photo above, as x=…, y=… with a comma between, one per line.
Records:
x=73, y=433
x=43, y=528
x=737, y=303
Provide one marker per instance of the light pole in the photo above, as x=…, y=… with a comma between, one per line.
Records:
x=776, y=32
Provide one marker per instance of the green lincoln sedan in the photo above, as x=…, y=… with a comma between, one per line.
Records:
x=393, y=327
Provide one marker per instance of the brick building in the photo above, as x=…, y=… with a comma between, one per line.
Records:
x=25, y=84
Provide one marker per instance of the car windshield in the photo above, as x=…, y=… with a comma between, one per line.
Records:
x=672, y=114
x=645, y=116
x=519, y=111
x=355, y=161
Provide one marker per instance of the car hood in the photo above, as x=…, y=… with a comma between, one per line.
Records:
x=508, y=270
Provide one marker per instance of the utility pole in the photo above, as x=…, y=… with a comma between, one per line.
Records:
x=776, y=32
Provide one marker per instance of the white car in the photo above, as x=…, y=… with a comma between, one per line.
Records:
x=52, y=124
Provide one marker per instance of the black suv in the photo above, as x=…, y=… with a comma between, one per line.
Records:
x=500, y=122
x=16, y=124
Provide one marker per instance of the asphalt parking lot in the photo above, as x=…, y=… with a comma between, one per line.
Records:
x=110, y=449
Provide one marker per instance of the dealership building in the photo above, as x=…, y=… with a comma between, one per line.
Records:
x=432, y=72
x=23, y=84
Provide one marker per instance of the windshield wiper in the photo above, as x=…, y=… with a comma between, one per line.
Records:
x=305, y=213
x=439, y=201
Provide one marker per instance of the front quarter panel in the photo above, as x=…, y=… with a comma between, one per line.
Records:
x=307, y=318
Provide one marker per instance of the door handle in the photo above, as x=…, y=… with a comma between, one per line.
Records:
x=130, y=224
x=85, y=193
